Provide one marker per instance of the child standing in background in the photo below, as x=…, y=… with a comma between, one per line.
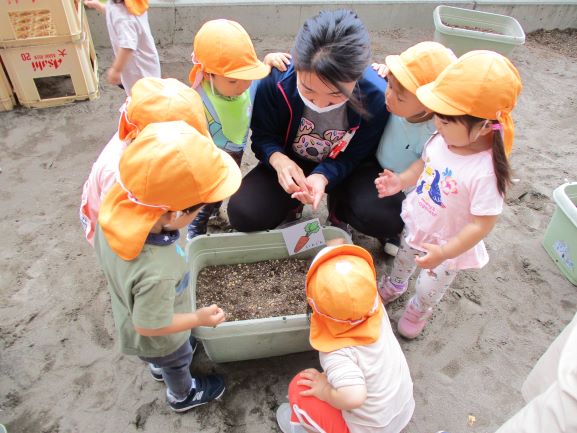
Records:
x=460, y=181
x=153, y=100
x=366, y=386
x=132, y=42
x=409, y=126
x=225, y=65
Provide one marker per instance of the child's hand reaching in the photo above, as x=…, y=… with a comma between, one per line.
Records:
x=381, y=69
x=434, y=257
x=278, y=60
x=210, y=316
x=95, y=4
x=388, y=183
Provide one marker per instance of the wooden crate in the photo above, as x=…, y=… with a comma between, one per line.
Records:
x=7, y=101
x=53, y=74
x=28, y=20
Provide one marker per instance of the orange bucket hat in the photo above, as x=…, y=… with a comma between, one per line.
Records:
x=223, y=47
x=420, y=64
x=482, y=84
x=136, y=7
x=170, y=166
x=342, y=292
x=160, y=100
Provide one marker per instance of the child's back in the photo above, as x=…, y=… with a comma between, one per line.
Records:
x=366, y=385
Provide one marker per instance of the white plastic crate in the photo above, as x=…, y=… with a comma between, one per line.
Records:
x=34, y=19
x=53, y=74
x=6, y=95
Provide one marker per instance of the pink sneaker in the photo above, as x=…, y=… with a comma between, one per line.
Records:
x=390, y=291
x=413, y=320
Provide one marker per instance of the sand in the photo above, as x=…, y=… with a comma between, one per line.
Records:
x=60, y=372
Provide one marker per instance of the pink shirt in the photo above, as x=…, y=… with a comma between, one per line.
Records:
x=101, y=178
x=450, y=191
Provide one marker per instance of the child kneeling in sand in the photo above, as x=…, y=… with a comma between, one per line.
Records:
x=169, y=169
x=366, y=385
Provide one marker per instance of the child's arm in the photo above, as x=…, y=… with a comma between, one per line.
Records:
x=122, y=57
x=96, y=5
x=389, y=183
x=345, y=398
x=206, y=316
x=278, y=60
x=466, y=239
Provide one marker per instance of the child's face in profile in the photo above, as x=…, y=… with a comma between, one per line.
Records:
x=401, y=102
x=229, y=87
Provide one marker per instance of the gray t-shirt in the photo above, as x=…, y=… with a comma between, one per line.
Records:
x=318, y=132
x=146, y=292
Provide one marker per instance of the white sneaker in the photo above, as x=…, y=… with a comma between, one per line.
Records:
x=283, y=419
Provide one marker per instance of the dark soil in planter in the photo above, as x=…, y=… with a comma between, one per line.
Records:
x=255, y=290
x=474, y=28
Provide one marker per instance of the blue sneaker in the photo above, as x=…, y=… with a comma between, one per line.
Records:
x=156, y=372
x=205, y=389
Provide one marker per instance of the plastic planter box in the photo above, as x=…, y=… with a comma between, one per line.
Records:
x=454, y=28
x=561, y=236
x=256, y=338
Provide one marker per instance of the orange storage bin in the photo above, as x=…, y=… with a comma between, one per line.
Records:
x=33, y=19
x=53, y=74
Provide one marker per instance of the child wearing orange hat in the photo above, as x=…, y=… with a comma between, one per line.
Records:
x=366, y=385
x=224, y=74
x=409, y=126
x=460, y=181
x=132, y=42
x=169, y=169
x=153, y=100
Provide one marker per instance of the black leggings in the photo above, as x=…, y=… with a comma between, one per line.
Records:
x=260, y=203
x=356, y=202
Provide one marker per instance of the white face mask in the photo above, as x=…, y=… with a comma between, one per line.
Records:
x=318, y=109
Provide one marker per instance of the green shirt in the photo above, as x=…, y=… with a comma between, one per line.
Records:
x=146, y=292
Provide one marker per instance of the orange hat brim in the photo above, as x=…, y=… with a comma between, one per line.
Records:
x=125, y=224
x=398, y=69
x=229, y=183
x=426, y=94
x=136, y=7
x=253, y=72
x=326, y=336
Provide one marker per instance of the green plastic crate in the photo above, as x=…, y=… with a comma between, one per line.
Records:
x=452, y=29
x=560, y=239
x=256, y=338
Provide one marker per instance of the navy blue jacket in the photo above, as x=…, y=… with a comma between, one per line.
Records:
x=277, y=113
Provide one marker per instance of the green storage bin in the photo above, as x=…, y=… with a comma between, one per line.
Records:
x=256, y=338
x=454, y=29
x=560, y=239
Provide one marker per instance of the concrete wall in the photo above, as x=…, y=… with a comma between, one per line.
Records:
x=175, y=21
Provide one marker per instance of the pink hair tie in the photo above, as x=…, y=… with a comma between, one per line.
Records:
x=496, y=127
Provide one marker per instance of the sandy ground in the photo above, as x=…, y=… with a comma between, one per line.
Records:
x=59, y=371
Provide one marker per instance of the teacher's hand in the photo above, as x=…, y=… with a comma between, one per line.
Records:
x=290, y=175
x=317, y=183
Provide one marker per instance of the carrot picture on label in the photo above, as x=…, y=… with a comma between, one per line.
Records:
x=309, y=230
